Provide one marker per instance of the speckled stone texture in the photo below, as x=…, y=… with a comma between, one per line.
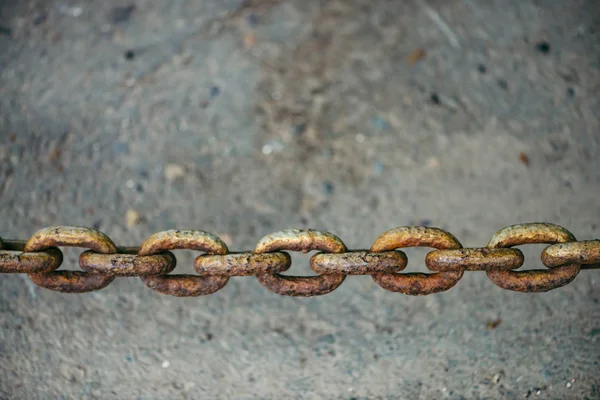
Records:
x=242, y=118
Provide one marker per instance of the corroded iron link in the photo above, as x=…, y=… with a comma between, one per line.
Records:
x=417, y=284
x=126, y=262
x=243, y=264
x=480, y=259
x=14, y=260
x=358, y=262
x=40, y=258
x=72, y=236
x=304, y=241
x=533, y=280
x=184, y=285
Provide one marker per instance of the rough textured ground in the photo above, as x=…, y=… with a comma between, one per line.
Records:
x=297, y=114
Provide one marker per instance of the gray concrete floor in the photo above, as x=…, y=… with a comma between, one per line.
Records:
x=244, y=118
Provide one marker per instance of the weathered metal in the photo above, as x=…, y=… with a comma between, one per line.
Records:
x=40, y=258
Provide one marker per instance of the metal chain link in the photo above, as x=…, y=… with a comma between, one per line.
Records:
x=40, y=258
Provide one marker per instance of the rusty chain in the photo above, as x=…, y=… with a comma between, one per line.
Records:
x=40, y=258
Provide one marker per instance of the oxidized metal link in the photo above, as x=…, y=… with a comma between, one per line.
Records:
x=14, y=260
x=358, y=262
x=126, y=262
x=184, y=285
x=533, y=280
x=243, y=264
x=71, y=236
x=585, y=252
x=41, y=258
x=475, y=259
x=416, y=284
x=304, y=241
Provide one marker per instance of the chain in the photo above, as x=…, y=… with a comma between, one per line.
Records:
x=40, y=258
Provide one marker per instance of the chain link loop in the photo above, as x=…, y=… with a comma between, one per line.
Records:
x=417, y=284
x=358, y=262
x=533, y=280
x=126, y=262
x=586, y=252
x=40, y=258
x=305, y=241
x=477, y=259
x=184, y=285
x=14, y=260
x=243, y=264
x=70, y=236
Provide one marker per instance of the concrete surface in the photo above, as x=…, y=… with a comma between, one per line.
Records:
x=244, y=118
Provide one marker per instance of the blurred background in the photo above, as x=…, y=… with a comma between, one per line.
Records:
x=242, y=118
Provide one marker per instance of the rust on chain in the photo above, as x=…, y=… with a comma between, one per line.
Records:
x=242, y=264
x=71, y=281
x=533, y=281
x=183, y=239
x=40, y=258
x=358, y=262
x=304, y=241
x=300, y=240
x=301, y=286
x=14, y=260
x=585, y=252
x=417, y=284
x=474, y=259
x=184, y=285
x=72, y=236
x=126, y=262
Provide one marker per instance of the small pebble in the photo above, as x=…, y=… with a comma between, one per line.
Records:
x=435, y=99
x=569, y=385
x=273, y=146
x=416, y=56
x=55, y=154
x=214, y=92
x=543, y=47
x=174, y=171
x=299, y=129
x=129, y=55
x=132, y=218
x=524, y=158
x=494, y=324
x=166, y=364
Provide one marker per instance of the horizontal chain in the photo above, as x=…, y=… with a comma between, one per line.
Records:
x=102, y=261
